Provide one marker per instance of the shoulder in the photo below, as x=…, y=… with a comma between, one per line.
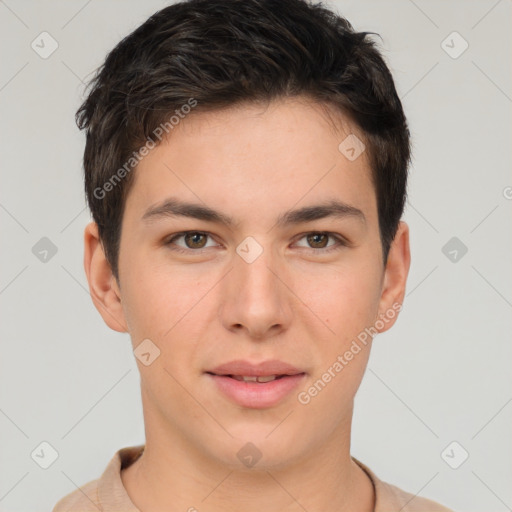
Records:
x=84, y=499
x=411, y=502
x=106, y=493
x=390, y=498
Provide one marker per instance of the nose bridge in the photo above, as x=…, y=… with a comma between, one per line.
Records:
x=253, y=267
x=253, y=272
x=255, y=297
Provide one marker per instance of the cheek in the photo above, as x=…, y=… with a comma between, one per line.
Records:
x=155, y=301
x=347, y=302
x=345, y=299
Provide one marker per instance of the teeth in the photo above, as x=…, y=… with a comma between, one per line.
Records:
x=251, y=378
x=268, y=378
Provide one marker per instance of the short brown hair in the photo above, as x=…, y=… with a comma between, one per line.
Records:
x=220, y=53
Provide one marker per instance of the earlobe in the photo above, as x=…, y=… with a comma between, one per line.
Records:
x=103, y=286
x=395, y=278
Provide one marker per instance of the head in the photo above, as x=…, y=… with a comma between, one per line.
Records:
x=250, y=110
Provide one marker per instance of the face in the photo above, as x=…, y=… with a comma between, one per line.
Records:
x=253, y=283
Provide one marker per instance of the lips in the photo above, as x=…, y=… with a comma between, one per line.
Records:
x=256, y=386
x=240, y=368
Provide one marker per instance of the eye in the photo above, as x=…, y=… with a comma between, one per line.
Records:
x=194, y=241
x=318, y=241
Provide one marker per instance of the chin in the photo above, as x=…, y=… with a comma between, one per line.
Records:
x=253, y=448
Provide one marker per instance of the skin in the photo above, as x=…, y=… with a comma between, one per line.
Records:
x=292, y=303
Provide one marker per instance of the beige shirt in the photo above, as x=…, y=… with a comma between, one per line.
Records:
x=107, y=494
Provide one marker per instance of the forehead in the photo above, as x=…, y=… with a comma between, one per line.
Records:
x=254, y=158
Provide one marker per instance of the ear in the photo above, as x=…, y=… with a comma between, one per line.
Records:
x=103, y=286
x=395, y=278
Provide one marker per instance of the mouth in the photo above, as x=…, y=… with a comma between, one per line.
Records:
x=254, y=378
x=247, y=369
x=253, y=386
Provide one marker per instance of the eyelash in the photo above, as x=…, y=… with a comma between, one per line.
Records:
x=341, y=242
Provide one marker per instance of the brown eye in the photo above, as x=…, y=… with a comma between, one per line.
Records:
x=193, y=240
x=189, y=242
x=318, y=240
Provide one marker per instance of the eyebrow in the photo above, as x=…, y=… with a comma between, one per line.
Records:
x=173, y=207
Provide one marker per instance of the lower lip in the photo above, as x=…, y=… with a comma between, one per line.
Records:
x=257, y=395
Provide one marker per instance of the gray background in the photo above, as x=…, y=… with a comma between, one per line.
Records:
x=442, y=374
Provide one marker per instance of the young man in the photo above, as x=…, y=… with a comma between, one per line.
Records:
x=246, y=167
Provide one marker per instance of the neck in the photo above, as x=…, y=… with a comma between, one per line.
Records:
x=172, y=474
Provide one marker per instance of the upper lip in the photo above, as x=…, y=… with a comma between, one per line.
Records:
x=263, y=369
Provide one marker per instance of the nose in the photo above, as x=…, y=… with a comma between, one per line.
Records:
x=256, y=299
